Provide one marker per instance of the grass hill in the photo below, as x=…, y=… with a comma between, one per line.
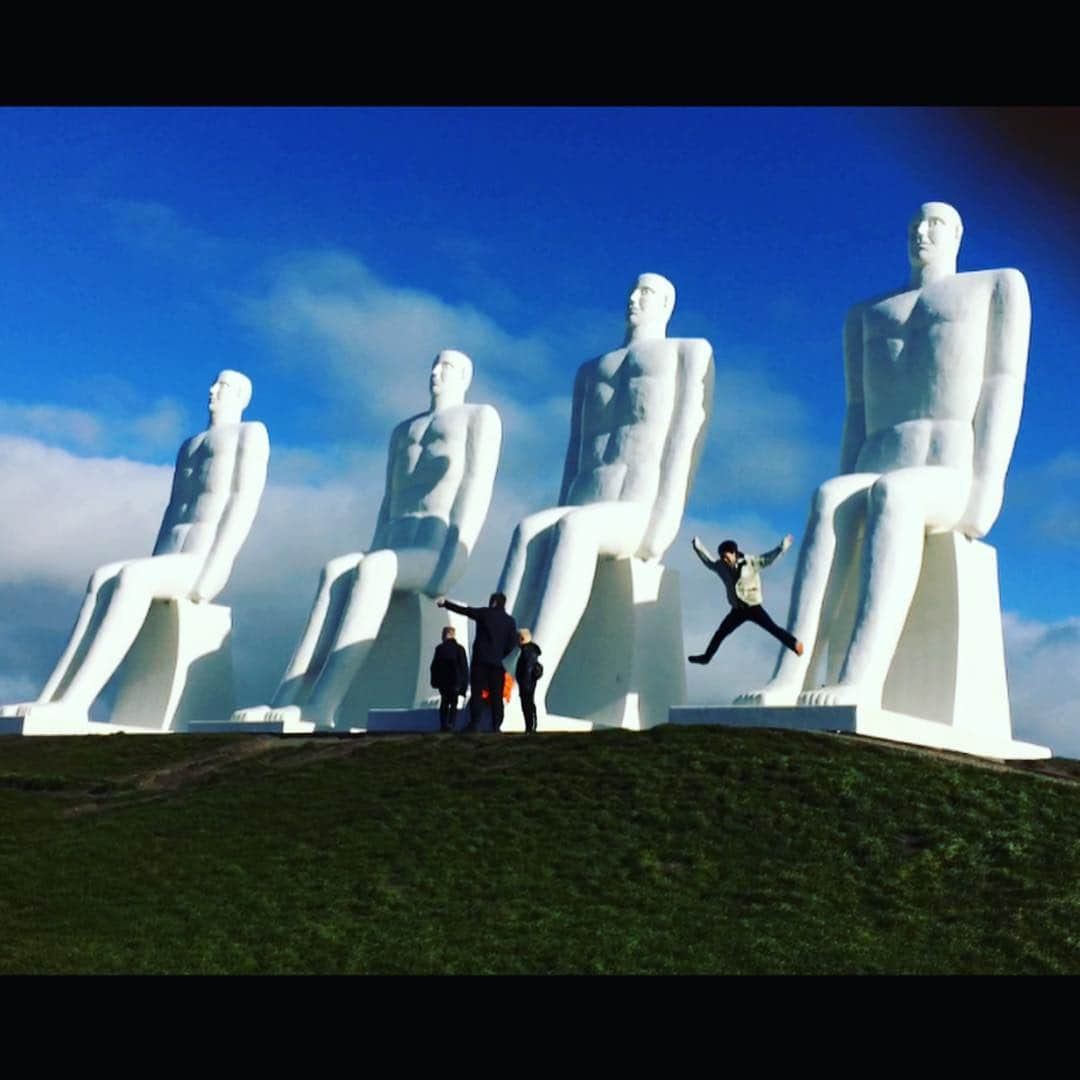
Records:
x=678, y=850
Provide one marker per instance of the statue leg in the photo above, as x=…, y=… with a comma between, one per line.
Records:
x=322, y=624
x=577, y=540
x=138, y=583
x=901, y=507
x=831, y=541
x=98, y=593
x=522, y=573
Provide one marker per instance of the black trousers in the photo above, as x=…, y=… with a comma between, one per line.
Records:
x=754, y=613
x=490, y=677
x=528, y=706
x=447, y=708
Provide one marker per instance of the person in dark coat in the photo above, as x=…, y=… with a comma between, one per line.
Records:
x=450, y=676
x=496, y=637
x=528, y=671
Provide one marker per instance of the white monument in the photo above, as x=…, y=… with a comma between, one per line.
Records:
x=157, y=610
x=585, y=576
x=373, y=626
x=894, y=594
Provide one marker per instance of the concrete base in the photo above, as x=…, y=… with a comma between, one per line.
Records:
x=946, y=687
x=427, y=720
x=178, y=670
x=624, y=667
x=863, y=720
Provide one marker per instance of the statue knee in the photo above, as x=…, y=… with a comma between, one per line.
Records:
x=102, y=575
x=889, y=496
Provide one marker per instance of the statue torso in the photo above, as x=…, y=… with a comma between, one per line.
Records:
x=205, y=466
x=923, y=363
x=628, y=398
x=428, y=460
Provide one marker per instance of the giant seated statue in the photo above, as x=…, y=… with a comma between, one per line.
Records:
x=373, y=625
x=156, y=611
x=894, y=594
x=585, y=576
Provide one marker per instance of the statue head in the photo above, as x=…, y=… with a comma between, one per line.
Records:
x=934, y=235
x=230, y=395
x=451, y=373
x=651, y=302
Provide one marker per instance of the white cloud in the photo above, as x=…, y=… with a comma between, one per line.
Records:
x=332, y=319
x=1043, y=661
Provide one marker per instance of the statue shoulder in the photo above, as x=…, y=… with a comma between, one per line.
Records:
x=1010, y=281
x=254, y=433
x=697, y=353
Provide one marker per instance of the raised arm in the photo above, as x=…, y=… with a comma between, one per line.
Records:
x=573, y=446
x=761, y=561
x=702, y=553
x=997, y=416
x=854, y=435
x=682, y=450
x=470, y=507
x=248, y=482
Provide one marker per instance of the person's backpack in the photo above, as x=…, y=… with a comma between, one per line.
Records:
x=538, y=670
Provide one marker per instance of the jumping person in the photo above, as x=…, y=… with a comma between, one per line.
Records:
x=741, y=577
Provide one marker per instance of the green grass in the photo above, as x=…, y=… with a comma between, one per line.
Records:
x=677, y=850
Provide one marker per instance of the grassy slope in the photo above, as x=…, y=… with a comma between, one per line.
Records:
x=679, y=850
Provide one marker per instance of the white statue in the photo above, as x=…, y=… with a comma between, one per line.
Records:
x=440, y=472
x=219, y=480
x=638, y=424
x=934, y=376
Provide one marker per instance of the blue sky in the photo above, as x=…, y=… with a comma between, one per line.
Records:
x=329, y=253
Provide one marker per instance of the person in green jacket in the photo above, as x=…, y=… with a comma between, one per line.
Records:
x=741, y=577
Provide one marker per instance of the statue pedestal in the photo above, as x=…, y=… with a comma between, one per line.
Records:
x=396, y=673
x=178, y=671
x=946, y=687
x=624, y=667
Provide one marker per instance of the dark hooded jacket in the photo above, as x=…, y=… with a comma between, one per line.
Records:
x=528, y=668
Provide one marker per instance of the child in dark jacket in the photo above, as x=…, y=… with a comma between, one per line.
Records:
x=450, y=676
x=528, y=671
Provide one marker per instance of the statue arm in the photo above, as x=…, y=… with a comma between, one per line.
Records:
x=469, y=511
x=177, y=497
x=997, y=416
x=854, y=435
x=378, y=539
x=682, y=449
x=248, y=482
x=573, y=447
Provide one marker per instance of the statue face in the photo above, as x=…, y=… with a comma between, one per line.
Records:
x=227, y=393
x=449, y=373
x=934, y=234
x=650, y=300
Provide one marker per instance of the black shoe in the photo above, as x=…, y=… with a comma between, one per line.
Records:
x=701, y=658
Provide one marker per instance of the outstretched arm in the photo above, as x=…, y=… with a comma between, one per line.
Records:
x=459, y=608
x=682, y=450
x=483, y=441
x=997, y=416
x=851, y=442
x=248, y=481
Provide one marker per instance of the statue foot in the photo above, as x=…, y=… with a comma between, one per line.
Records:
x=837, y=694
x=18, y=709
x=771, y=694
x=254, y=714
x=292, y=714
x=57, y=712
